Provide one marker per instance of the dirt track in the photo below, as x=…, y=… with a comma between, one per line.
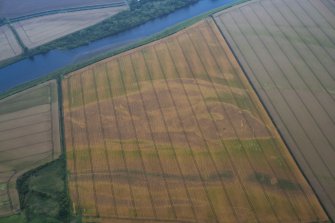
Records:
x=288, y=51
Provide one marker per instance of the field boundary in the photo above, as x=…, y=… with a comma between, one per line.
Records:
x=18, y=39
x=264, y=118
x=65, y=10
x=42, y=157
x=271, y=118
x=100, y=57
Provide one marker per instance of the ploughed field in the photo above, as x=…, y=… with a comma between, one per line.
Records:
x=288, y=51
x=173, y=132
x=29, y=137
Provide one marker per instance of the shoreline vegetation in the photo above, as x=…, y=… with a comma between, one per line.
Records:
x=60, y=73
x=139, y=13
x=26, y=184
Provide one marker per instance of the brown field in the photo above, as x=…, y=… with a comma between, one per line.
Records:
x=40, y=30
x=17, y=8
x=173, y=132
x=288, y=51
x=29, y=137
x=8, y=44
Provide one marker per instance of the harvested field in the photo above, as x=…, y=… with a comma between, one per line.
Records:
x=40, y=30
x=8, y=43
x=288, y=51
x=18, y=8
x=29, y=137
x=172, y=132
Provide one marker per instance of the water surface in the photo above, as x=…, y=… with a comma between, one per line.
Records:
x=42, y=64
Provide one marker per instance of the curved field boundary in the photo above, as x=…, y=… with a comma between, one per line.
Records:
x=29, y=137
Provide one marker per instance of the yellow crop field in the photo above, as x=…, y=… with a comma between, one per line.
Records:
x=29, y=137
x=173, y=132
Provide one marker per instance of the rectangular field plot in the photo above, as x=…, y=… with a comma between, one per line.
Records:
x=29, y=137
x=288, y=51
x=40, y=30
x=8, y=44
x=173, y=132
x=29, y=7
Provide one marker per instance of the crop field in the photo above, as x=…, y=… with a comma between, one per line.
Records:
x=288, y=51
x=40, y=30
x=29, y=137
x=18, y=8
x=8, y=43
x=173, y=132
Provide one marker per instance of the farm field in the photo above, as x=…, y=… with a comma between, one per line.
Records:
x=288, y=51
x=28, y=7
x=29, y=137
x=173, y=132
x=40, y=30
x=8, y=43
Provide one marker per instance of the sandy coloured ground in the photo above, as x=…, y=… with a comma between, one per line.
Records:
x=9, y=47
x=40, y=30
x=288, y=51
x=29, y=137
x=173, y=132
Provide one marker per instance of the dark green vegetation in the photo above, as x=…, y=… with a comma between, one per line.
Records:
x=62, y=72
x=13, y=219
x=139, y=13
x=43, y=193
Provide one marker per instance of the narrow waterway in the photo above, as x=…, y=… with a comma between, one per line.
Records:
x=40, y=65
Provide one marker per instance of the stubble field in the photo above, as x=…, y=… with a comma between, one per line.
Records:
x=37, y=31
x=288, y=50
x=29, y=137
x=173, y=132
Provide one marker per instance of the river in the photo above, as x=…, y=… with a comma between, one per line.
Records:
x=40, y=65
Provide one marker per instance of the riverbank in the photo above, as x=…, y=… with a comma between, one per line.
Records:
x=169, y=31
x=139, y=12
